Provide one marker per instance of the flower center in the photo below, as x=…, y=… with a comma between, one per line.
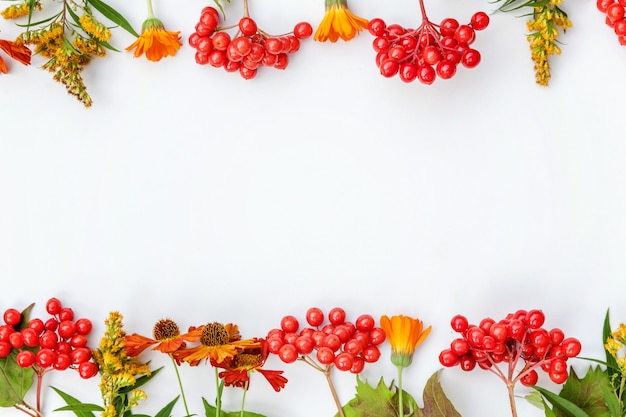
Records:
x=165, y=329
x=214, y=334
x=247, y=360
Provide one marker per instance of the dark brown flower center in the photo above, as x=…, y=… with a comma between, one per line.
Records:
x=165, y=329
x=247, y=360
x=214, y=334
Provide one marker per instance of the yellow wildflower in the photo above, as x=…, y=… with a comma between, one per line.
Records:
x=94, y=28
x=18, y=10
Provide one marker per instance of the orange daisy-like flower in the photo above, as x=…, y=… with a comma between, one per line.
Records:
x=17, y=51
x=167, y=339
x=404, y=334
x=339, y=22
x=155, y=41
x=237, y=369
x=218, y=342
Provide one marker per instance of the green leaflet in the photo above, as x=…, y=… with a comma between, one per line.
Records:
x=381, y=401
x=167, y=410
x=113, y=15
x=15, y=381
x=587, y=393
x=210, y=411
x=567, y=407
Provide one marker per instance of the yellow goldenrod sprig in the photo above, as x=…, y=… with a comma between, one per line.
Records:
x=118, y=370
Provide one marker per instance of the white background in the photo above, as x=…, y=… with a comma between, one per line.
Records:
x=190, y=193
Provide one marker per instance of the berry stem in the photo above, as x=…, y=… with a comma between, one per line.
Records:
x=246, y=11
x=423, y=10
x=39, y=382
x=510, y=386
x=28, y=409
x=333, y=391
x=180, y=384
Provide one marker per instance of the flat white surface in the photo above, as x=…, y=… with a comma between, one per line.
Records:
x=191, y=193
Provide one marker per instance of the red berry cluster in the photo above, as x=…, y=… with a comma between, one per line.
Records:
x=58, y=343
x=248, y=50
x=615, y=16
x=428, y=51
x=345, y=345
x=519, y=336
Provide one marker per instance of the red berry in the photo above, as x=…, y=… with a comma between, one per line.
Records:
x=25, y=359
x=325, y=356
x=459, y=323
x=53, y=306
x=247, y=26
x=83, y=326
x=87, y=370
x=288, y=353
x=5, y=349
x=370, y=354
x=479, y=20
x=376, y=27
x=571, y=347
x=289, y=324
x=530, y=378
x=66, y=329
x=344, y=361
x=45, y=358
x=12, y=317
x=66, y=314
x=304, y=345
x=448, y=358
x=302, y=30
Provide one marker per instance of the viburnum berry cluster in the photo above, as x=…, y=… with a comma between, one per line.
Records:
x=615, y=16
x=249, y=49
x=330, y=342
x=58, y=343
x=428, y=52
x=517, y=342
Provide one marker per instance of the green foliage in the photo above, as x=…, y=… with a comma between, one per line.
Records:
x=382, y=401
x=15, y=381
x=113, y=15
x=211, y=411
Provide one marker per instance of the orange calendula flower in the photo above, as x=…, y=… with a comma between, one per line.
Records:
x=339, y=22
x=155, y=41
x=15, y=50
x=218, y=342
x=167, y=339
x=237, y=369
x=404, y=334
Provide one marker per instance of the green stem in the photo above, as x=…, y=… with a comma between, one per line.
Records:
x=218, y=399
x=243, y=400
x=400, y=401
x=150, y=11
x=180, y=384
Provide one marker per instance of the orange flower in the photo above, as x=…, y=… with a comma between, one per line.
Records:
x=218, y=342
x=16, y=51
x=339, y=22
x=237, y=369
x=404, y=334
x=155, y=41
x=167, y=339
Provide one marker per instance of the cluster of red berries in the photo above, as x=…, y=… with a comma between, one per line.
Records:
x=615, y=16
x=58, y=343
x=248, y=50
x=428, y=51
x=519, y=336
x=345, y=345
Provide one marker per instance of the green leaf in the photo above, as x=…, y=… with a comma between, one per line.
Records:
x=25, y=317
x=113, y=15
x=436, y=403
x=210, y=411
x=15, y=381
x=167, y=410
x=587, y=392
x=73, y=402
x=612, y=402
x=567, y=407
x=80, y=407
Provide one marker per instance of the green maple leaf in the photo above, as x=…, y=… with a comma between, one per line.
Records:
x=588, y=392
x=382, y=401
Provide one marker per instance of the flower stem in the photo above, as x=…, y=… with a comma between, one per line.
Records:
x=150, y=10
x=243, y=400
x=400, y=401
x=218, y=398
x=180, y=384
x=333, y=391
x=39, y=382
